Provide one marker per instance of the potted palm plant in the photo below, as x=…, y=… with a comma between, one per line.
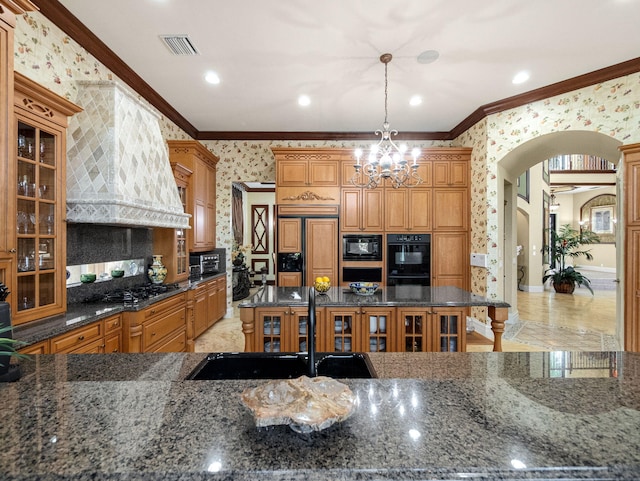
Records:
x=567, y=243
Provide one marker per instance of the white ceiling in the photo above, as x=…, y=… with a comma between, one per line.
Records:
x=268, y=52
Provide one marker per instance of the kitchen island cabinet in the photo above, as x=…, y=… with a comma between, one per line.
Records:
x=484, y=416
x=415, y=318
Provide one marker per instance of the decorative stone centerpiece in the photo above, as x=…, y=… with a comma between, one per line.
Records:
x=304, y=404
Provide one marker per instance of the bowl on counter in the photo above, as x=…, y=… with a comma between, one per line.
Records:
x=322, y=286
x=363, y=288
x=117, y=273
x=87, y=278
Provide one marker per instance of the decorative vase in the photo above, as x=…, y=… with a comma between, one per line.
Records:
x=239, y=260
x=564, y=287
x=157, y=271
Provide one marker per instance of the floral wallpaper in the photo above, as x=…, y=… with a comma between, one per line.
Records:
x=50, y=57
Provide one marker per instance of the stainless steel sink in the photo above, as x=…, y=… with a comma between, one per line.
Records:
x=258, y=365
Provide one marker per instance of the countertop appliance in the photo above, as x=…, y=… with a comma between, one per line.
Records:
x=209, y=262
x=362, y=247
x=408, y=259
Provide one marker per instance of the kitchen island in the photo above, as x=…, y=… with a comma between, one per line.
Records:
x=416, y=318
x=487, y=416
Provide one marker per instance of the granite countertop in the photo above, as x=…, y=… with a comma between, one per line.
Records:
x=432, y=416
x=81, y=314
x=384, y=296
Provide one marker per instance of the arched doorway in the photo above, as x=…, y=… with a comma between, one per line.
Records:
x=532, y=153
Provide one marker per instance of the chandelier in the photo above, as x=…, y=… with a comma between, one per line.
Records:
x=386, y=160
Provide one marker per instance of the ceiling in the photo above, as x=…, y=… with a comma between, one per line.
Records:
x=268, y=52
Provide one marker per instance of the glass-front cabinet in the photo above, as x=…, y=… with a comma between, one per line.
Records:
x=39, y=165
x=432, y=329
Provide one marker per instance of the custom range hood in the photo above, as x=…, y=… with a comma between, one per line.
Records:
x=118, y=169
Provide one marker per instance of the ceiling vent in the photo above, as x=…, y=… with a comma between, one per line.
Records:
x=179, y=44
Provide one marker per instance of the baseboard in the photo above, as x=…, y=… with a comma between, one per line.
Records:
x=480, y=327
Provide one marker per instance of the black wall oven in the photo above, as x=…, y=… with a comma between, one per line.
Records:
x=408, y=259
x=362, y=247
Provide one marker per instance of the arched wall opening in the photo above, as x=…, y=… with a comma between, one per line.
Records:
x=528, y=155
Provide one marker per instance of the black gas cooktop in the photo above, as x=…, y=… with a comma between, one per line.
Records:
x=132, y=295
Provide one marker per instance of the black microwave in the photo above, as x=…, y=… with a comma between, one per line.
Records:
x=362, y=247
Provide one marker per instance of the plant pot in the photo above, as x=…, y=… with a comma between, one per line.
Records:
x=564, y=287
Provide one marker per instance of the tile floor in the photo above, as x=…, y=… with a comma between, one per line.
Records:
x=548, y=322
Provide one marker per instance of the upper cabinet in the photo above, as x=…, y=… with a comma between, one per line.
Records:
x=307, y=176
x=200, y=192
x=451, y=173
x=37, y=206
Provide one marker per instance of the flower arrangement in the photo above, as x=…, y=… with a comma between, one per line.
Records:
x=239, y=252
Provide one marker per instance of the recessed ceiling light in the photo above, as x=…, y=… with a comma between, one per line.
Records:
x=304, y=100
x=212, y=78
x=415, y=100
x=428, y=56
x=521, y=77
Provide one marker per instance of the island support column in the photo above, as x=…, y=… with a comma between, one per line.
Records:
x=498, y=315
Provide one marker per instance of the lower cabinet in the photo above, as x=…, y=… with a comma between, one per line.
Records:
x=282, y=329
x=152, y=329
x=357, y=329
x=439, y=329
x=103, y=336
x=360, y=329
x=209, y=301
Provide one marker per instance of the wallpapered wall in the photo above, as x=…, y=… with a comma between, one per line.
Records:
x=48, y=56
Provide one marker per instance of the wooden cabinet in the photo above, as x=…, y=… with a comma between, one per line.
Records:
x=281, y=329
x=450, y=254
x=172, y=244
x=450, y=173
x=408, y=210
x=436, y=329
x=306, y=171
x=357, y=329
x=37, y=205
x=361, y=209
x=99, y=337
x=321, y=249
x=149, y=329
x=289, y=279
x=37, y=348
x=289, y=235
x=200, y=192
x=632, y=247
x=209, y=300
x=451, y=209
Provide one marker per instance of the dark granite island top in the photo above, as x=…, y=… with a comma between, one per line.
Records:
x=430, y=416
x=388, y=296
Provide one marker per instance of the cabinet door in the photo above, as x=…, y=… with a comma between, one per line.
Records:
x=289, y=279
x=419, y=213
x=292, y=173
x=270, y=324
x=450, y=254
x=450, y=209
x=341, y=330
x=163, y=325
x=324, y=173
x=450, y=174
x=297, y=330
x=396, y=209
x=200, y=310
x=39, y=348
x=351, y=210
x=377, y=327
x=372, y=209
x=449, y=329
x=212, y=303
x=413, y=333
x=210, y=211
x=113, y=343
x=200, y=205
x=321, y=256
x=221, y=288
x=290, y=235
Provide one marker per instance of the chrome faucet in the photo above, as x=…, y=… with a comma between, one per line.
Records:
x=311, y=334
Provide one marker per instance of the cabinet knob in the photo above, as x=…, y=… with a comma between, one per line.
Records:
x=153, y=311
x=80, y=338
x=12, y=251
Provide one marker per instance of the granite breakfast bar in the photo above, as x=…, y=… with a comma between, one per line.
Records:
x=287, y=304
x=488, y=416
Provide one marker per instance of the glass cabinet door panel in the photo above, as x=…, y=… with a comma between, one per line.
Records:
x=47, y=148
x=46, y=183
x=46, y=289
x=26, y=179
x=271, y=333
x=26, y=255
x=448, y=332
x=46, y=219
x=26, y=292
x=46, y=254
x=26, y=141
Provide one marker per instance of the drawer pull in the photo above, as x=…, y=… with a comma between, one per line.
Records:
x=153, y=311
x=153, y=334
x=80, y=338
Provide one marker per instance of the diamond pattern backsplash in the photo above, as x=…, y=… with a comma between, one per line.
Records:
x=118, y=169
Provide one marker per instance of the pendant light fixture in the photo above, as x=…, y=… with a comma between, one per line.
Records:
x=386, y=160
